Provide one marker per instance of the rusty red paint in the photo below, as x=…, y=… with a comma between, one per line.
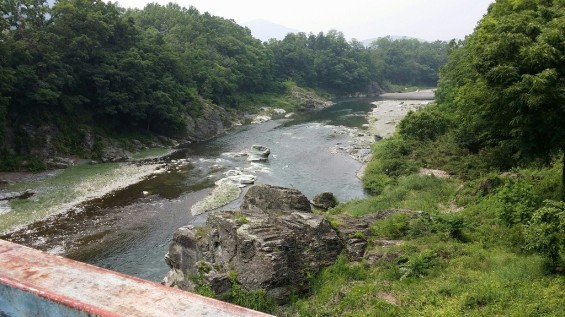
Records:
x=99, y=291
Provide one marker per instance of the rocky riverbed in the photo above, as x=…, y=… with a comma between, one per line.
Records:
x=382, y=122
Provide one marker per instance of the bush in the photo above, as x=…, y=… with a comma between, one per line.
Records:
x=424, y=125
x=419, y=265
x=453, y=225
x=390, y=160
x=545, y=232
x=375, y=182
x=402, y=225
x=518, y=202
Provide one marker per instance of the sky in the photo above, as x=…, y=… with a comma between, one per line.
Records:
x=360, y=19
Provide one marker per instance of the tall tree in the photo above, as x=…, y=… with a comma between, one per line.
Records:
x=515, y=95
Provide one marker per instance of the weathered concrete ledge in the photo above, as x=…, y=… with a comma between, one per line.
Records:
x=34, y=283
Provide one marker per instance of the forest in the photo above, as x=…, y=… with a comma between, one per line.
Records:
x=84, y=64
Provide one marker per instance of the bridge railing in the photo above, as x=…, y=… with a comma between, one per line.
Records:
x=35, y=283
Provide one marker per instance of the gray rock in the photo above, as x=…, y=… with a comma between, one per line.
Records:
x=274, y=199
x=258, y=153
x=182, y=258
x=355, y=248
x=59, y=163
x=209, y=124
x=269, y=245
x=17, y=195
x=324, y=201
x=274, y=253
x=114, y=154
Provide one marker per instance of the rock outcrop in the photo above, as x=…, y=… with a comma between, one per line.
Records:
x=209, y=124
x=274, y=243
x=273, y=199
x=275, y=249
x=308, y=100
x=324, y=201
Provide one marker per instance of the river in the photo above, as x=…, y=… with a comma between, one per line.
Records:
x=130, y=230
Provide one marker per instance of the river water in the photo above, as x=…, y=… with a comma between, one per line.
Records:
x=130, y=231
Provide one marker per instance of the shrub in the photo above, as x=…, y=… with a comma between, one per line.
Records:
x=518, y=202
x=256, y=300
x=390, y=160
x=419, y=265
x=426, y=124
x=375, y=182
x=394, y=227
x=545, y=232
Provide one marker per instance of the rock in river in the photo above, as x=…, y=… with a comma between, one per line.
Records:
x=259, y=153
x=274, y=249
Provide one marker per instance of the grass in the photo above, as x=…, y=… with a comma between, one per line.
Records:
x=450, y=261
x=432, y=277
x=424, y=193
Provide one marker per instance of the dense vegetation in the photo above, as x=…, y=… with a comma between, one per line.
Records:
x=81, y=65
x=492, y=239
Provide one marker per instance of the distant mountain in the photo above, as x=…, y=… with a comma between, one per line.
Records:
x=265, y=30
x=368, y=42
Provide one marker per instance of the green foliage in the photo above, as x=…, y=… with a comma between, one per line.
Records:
x=15, y=163
x=408, y=61
x=205, y=290
x=425, y=193
x=418, y=265
x=324, y=61
x=256, y=300
x=545, y=232
x=240, y=218
x=427, y=124
x=453, y=225
x=518, y=202
x=388, y=163
x=505, y=82
x=393, y=227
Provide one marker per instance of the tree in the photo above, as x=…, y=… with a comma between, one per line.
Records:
x=409, y=61
x=514, y=95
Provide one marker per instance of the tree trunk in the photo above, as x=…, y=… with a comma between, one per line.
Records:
x=563, y=175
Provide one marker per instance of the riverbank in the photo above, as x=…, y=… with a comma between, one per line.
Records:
x=382, y=122
x=59, y=191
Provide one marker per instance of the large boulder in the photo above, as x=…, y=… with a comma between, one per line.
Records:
x=211, y=122
x=274, y=199
x=258, y=153
x=269, y=245
x=324, y=201
x=275, y=252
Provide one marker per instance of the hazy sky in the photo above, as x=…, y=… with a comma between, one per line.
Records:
x=360, y=19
